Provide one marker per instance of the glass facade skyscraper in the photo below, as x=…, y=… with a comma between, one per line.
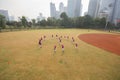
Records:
x=110, y=9
x=93, y=8
x=107, y=7
x=74, y=8
x=116, y=14
x=4, y=13
x=52, y=10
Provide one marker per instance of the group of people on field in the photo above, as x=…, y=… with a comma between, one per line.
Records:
x=59, y=41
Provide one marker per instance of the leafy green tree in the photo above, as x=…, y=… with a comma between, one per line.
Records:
x=33, y=22
x=63, y=15
x=2, y=21
x=110, y=26
x=64, y=19
x=12, y=23
x=43, y=22
x=71, y=22
x=24, y=21
x=96, y=23
x=99, y=23
x=88, y=21
x=58, y=21
x=79, y=22
x=118, y=25
x=102, y=22
x=29, y=24
x=51, y=21
x=19, y=24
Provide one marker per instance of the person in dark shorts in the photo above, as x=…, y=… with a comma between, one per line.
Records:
x=62, y=48
x=76, y=45
x=40, y=43
x=55, y=47
x=52, y=35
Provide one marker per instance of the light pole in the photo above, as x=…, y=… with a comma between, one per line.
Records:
x=107, y=16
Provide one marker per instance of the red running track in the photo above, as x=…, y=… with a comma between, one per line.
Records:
x=108, y=42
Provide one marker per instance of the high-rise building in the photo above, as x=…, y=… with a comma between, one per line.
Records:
x=85, y=13
x=56, y=14
x=40, y=17
x=5, y=13
x=52, y=10
x=61, y=7
x=110, y=9
x=93, y=8
x=74, y=8
x=106, y=9
x=11, y=18
x=70, y=11
x=65, y=9
x=116, y=14
x=77, y=10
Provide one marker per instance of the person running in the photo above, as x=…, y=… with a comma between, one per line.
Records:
x=52, y=35
x=76, y=45
x=63, y=48
x=41, y=39
x=56, y=35
x=60, y=40
x=40, y=43
x=64, y=36
x=67, y=37
x=44, y=37
x=55, y=47
x=73, y=40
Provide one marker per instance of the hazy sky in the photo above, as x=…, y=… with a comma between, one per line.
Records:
x=32, y=8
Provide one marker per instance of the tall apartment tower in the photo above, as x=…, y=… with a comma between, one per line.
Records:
x=74, y=8
x=78, y=6
x=107, y=9
x=52, y=10
x=70, y=11
x=93, y=8
x=110, y=9
x=116, y=14
x=61, y=7
x=5, y=13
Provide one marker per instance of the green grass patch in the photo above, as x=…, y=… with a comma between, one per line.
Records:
x=21, y=58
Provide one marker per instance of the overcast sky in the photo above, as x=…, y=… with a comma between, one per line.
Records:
x=32, y=8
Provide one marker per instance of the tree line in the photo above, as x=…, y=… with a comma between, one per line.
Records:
x=63, y=22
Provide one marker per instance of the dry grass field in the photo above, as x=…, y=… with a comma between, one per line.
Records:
x=21, y=58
